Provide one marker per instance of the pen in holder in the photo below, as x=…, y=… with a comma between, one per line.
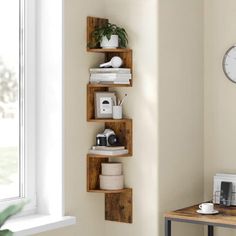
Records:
x=117, y=108
x=117, y=112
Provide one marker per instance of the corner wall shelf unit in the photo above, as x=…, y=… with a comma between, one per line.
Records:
x=118, y=203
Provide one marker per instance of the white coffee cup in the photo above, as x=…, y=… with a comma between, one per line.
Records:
x=207, y=207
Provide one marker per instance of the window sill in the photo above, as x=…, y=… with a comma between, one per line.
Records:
x=29, y=225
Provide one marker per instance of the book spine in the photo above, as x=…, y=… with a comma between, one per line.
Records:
x=110, y=75
x=111, y=70
x=109, y=82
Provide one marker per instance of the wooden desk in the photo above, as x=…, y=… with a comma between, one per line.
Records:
x=226, y=218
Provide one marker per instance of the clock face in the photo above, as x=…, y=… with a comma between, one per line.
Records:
x=229, y=64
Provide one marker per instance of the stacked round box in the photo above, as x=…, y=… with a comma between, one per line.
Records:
x=112, y=177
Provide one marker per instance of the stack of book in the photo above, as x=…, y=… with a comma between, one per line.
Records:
x=110, y=75
x=109, y=151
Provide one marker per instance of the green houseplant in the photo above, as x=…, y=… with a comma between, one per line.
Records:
x=111, y=36
x=6, y=214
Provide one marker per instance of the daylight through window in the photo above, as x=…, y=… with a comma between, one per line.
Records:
x=11, y=81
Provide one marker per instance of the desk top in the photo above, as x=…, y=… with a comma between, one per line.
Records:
x=226, y=216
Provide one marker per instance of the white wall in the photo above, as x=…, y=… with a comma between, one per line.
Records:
x=49, y=107
x=167, y=35
x=220, y=95
x=139, y=18
x=180, y=166
x=88, y=208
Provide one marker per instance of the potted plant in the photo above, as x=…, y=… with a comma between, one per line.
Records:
x=111, y=36
x=6, y=214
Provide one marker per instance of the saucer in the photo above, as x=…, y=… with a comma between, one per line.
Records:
x=207, y=213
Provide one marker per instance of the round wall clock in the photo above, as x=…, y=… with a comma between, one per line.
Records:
x=229, y=64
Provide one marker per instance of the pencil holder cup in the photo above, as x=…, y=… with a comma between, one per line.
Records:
x=117, y=112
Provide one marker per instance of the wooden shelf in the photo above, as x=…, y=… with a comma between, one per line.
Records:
x=106, y=156
x=109, y=120
x=103, y=50
x=118, y=203
x=91, y=90
x=126, y=56
x=124, y=53
x=108, y=191
x=94, y=169
x=118, y=206
x=108, y=85
x=124, y=132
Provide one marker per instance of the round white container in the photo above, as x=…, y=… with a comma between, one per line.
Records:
x=112, y=168
x=112, y=43
x=117, y=112
x=109, y=182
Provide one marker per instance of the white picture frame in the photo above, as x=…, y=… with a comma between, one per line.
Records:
x=103, y=104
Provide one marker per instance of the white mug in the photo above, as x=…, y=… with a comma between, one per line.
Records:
x=117, y=112
x=207, y=207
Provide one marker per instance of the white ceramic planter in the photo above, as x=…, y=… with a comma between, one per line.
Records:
x=112, y=43
x=109, y=182
x=112, y=168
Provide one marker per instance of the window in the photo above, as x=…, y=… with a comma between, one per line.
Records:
x=41, y=48
x=17, y=119
x=10, y=101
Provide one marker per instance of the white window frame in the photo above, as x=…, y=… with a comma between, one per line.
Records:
x=30, y=105
x=28, y=119
x=49, y=120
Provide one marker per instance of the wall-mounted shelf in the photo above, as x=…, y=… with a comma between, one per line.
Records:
x=105, y=156
x=108, y=191
x=109, y=120
x=118, y=203
x=102, y=50
x=108, y=85
x=118, y=206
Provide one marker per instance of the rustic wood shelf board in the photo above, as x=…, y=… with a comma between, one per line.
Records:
x=93, y=172
x=108, y=85
x=108, y=191
x=126, y=57
x=92, y=24
x=118, y=206
x=123, y=130
x=105, y=156
x=91, y=99
x=109, y=120
x=118, y=203
x=102, y=50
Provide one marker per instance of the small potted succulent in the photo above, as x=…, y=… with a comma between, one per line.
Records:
x=111, y=36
